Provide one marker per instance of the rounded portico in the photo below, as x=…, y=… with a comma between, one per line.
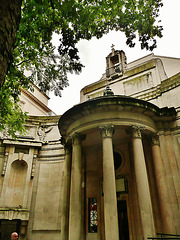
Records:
x=110, y=169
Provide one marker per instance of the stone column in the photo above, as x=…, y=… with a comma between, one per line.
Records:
x=66, y=194
x=142, y=185
x=109, y=185
x=75, y=191
x=176, y=146
x=164, y=200
x=173, y=196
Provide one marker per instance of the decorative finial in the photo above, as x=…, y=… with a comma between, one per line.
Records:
x=108, y=91
x=112, y=47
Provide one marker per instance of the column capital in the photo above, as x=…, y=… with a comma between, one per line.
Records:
x=68, y=148
x=135, y=131
x=67, y=144
x=106, y=130
x=155, y=139
x=77, y=138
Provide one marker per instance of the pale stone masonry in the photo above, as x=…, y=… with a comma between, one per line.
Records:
x=108, y=168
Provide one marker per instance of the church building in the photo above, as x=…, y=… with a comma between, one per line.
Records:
x=108, y=168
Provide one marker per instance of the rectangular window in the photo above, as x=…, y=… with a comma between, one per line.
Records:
x=92, y=215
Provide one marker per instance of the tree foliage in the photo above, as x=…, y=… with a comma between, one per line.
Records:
x=12, y=119
x=73, y=20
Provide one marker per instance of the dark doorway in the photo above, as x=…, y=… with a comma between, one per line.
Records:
x=123, y=220
x=7, y=227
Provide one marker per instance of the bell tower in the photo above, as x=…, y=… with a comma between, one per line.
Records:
x=115, y=63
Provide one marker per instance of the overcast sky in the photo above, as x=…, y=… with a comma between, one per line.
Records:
x=93, y=55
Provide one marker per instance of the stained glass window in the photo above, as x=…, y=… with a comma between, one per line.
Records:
x=92, y=215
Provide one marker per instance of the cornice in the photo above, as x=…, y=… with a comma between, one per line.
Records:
x=158, y=90
x=43, y=119
x=170, y=83
x=34, y=99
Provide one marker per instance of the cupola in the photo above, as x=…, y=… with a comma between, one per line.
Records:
x=115, y=63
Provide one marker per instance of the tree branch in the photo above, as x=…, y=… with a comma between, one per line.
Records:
x=22, y=62
x=52, y=4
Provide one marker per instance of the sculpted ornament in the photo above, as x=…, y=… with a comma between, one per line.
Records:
x=42, y=131
x=5, y=164
x=135, y=131
x=33, y=165
x=107, y=130
x=155, y=139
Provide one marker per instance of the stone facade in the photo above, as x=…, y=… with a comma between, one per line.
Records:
x=108, y=168
x=31, y=180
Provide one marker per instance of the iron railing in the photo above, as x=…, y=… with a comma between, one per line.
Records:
x=113, y=70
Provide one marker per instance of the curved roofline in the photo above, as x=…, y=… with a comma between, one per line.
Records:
x=114, y=100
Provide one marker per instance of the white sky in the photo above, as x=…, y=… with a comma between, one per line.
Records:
x=93, y=55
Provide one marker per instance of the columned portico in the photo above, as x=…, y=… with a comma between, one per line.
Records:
x=109, y=185
x=75, y=192
x=93, y=212
x=144, y=198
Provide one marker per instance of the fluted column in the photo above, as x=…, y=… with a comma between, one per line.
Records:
x=142, y=184
x=164, y=200
x=109, y=185
x=75, y=192
x=66, y=193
